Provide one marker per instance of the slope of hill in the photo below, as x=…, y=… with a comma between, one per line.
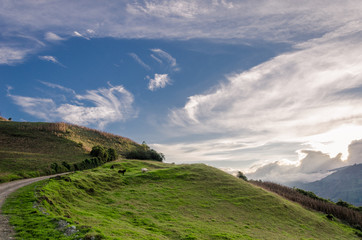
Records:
x=344, y=184
x=3, y=119
x=167, y=202
x=28, y=149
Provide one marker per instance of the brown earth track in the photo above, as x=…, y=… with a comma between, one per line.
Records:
x=6, y=231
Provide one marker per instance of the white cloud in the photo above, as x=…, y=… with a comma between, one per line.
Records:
x=300, y=102
x=314, y=166
x=9, y=55
x=57, y=86
x=156, y=59
x=51, y=59
x=97, y=107
x=162, y=54
x=139, y=61
x=279, y=21
x=293, y=95
x=77, y=34
x=39, y=107
x=49, y=36
x=159, y=81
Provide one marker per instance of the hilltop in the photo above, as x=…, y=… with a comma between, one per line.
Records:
x=167, y=202
x=28, y=149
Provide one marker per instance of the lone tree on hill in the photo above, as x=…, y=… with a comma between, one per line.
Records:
x=242, y=176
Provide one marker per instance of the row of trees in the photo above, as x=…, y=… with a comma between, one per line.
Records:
x=310, y=200
x=101, y=155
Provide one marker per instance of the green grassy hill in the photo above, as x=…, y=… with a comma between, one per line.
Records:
x=168, y=202
x=28, y=149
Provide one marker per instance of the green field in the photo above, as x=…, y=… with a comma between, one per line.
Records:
x=168, y=202
x=28, y=149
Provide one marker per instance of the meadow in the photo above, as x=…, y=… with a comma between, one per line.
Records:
x=28, y=149
x=167, y=202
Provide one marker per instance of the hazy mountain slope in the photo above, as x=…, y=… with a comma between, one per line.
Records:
x=344, y=184
x=168, y=202
x=27, y=149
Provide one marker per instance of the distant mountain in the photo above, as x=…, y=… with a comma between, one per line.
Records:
x=344, y=184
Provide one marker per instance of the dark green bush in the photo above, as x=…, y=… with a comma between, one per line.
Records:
x=144, y=152
x=55, y=167
x=66, y=165
x=242, y=176
x=99, y=152
x=112, y=154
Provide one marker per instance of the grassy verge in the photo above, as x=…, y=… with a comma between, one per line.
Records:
x=168, y=202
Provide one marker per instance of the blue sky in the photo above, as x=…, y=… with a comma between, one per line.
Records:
x=269, y=88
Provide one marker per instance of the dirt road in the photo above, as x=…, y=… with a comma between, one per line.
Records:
x=6, y=231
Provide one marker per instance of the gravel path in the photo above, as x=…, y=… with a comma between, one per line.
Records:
x=6, y=231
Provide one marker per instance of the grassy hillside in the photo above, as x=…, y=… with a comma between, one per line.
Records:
x=28, y=149
x=168, y=202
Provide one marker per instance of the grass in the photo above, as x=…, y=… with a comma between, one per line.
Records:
x=168, y=202
x=28, y=149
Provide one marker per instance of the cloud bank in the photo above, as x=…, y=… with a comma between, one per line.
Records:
x=96, y=107
x=314, y=166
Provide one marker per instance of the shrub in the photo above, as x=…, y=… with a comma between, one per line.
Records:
x=66, y=165
x=112, y=154
x=144, y=153
x=242, y=176
x=99, y=152
x=54, y=167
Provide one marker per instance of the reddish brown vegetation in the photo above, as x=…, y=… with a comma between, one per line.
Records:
x=353, y=217
x=49, y=127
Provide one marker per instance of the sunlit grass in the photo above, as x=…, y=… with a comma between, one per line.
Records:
x=178, y=202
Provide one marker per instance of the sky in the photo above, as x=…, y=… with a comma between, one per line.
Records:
x=270, y=88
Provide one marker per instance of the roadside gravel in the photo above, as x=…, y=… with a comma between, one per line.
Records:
x=6, y=231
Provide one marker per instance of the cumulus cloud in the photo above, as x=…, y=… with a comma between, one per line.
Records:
x=159, y=81
x=314, y=166
x=96, y=107
x=139, y=61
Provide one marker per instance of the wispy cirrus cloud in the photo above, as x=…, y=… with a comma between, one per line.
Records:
x=166, y=56
x=159, y=81
x=96, y=107
x=11, y=55
x=51, y=59
x=306, y=97
x=57, y=86
x=280, y=21
x=139, y=61
x=50, y=36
